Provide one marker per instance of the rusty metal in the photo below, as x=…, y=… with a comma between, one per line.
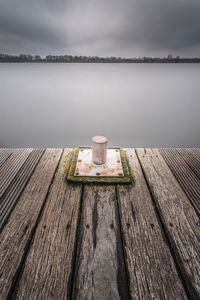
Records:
x=112, y=168
x=99, y=150
x=81, y=169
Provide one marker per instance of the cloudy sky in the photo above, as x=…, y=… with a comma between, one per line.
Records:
x=127, y=28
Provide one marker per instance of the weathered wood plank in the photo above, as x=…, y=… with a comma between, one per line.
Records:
x=180, y=221
x=11, y=167
x=5, y=153
x=188, y=180
x=17, y=234
x=196, y=152
x=152, y=272
x=191, y=159
x=100, y=272
x=48, y=269
x=11, y=195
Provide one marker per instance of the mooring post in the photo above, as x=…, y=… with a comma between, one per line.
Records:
x=99, y=149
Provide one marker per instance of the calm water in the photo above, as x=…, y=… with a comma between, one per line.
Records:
x=134, y=105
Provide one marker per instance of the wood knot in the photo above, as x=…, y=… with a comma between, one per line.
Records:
x=128, y=225
x=87, y=226
x=170, y=224
x=68, y=226
x=111, y=226
x=152, y=225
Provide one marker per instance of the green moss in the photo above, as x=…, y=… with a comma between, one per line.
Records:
x=122, y=188
x=67, y=159
x=70, y=166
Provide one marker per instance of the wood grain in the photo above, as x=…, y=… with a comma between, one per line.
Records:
x=11, y=195
x=184, y=174
x=16, y=235
x=152, y=272
x=65, y=241
x=48, y=269
x=191, y=159
x=5, y=153
x=11, y=167
x=100, y=272
x=180, y=221
x=195, y=152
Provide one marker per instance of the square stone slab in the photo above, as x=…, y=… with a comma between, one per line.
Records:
x=115, y=170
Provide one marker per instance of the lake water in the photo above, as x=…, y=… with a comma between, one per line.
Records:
x=134, y=105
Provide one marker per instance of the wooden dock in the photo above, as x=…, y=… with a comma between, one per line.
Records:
x=73, y=241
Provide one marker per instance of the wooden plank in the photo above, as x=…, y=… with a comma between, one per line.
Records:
x=11, y=167
x=188, y=180
x=17, y=234
x=196, y=152
x=179, y=219
x=152, y=272
x=191, y=159
x=11, y=195
x=48, y=269
x=5, y=153
x=100, y=272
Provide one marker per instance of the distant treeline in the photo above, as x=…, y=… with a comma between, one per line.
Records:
x=93, y=59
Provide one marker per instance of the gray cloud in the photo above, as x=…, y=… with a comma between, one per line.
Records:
x=91, y=27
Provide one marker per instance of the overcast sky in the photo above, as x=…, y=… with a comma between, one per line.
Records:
x=127, y=28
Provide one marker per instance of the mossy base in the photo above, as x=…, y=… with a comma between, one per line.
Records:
x=127, y=178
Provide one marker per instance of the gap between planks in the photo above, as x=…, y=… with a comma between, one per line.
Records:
x=49, y=265
x=179, y=219
x=16, y=236
x=151, y=269
x=185, y=175
x=11, y=195
x=143, y=285
x=100, y=270
x=11, y=167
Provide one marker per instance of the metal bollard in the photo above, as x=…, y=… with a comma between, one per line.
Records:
x=99, y=149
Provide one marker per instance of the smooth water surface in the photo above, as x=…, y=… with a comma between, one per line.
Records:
x=134, y=105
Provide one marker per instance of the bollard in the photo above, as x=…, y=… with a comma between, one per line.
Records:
x=99, y=164
x=99, y=149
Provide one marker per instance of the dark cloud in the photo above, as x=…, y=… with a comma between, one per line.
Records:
x=91, y=27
